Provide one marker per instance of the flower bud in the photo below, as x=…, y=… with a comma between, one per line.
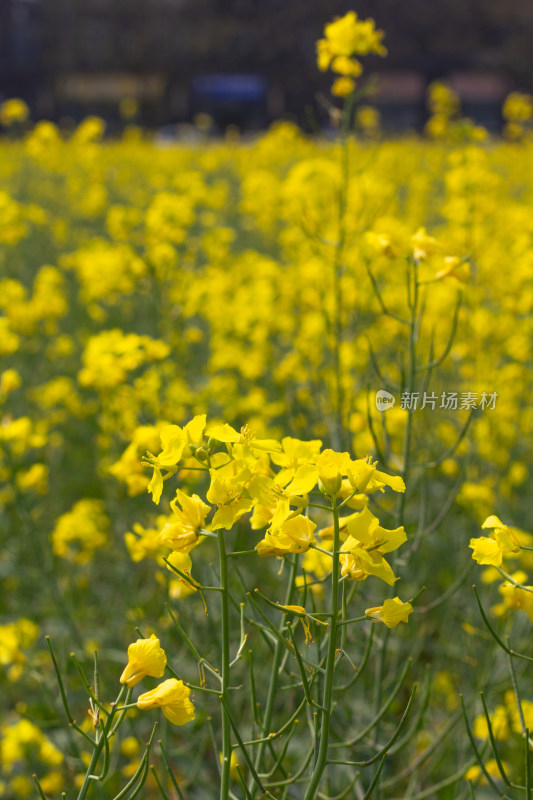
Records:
x=201, y=454
x=330, y=485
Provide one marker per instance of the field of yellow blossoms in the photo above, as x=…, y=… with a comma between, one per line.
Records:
x=266, y=418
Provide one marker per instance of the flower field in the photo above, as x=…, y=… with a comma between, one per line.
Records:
x=266, y=418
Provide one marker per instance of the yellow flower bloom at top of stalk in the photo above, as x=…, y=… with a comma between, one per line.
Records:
x=331, y=467
x=392, y=612
x=345, y=38
x=172, y=697
x=348, y=36
x=491, y=549
x=145, y=657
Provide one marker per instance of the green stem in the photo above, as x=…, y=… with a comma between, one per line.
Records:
x=225, y=668
x=273, y=686
x=414, y=323
x=411, y=372
x=99, y=746
x=325, y=712
x=337, y=273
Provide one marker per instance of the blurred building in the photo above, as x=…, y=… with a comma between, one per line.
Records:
x=250, y=61
x=21, y=55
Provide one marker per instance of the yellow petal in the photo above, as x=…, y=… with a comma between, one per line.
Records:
x=486, y=551
x=304, y=480
x=156, y=486
x=222, y=433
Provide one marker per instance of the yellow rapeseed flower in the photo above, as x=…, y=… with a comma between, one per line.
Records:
x=293, y=535
x=491, y=549
x=9, y=381
x=172, y=696
x=367, y=544
x=344, y=38
x=145, y=657
x=181, y=532
x=392, y=612
x=347, y=36
x=474, y=772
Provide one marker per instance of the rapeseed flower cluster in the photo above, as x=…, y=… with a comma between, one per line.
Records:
x=15, y=638
x=513, y=718
x=345, y=38
x=518, y=112
x=272, y=482
x=445, y=121
x=492, y=548
x=503, y=543
x=81, y=531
